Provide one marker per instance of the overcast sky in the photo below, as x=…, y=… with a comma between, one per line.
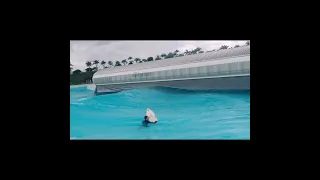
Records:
x=82, y=51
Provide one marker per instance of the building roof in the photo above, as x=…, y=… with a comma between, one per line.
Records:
x=240, y=51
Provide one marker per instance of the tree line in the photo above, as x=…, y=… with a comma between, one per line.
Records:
x=93, y=66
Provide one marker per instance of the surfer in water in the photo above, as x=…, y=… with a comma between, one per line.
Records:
x=146, y=121
x=150, y=117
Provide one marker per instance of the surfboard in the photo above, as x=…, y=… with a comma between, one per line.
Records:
x=152, y=116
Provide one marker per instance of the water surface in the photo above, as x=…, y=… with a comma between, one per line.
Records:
x=181, y=114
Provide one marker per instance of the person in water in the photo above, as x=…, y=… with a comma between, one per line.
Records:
x=146, y=121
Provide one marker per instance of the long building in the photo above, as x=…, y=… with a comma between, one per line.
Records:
x=227, y=69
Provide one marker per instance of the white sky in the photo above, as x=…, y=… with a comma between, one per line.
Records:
x=82, y=51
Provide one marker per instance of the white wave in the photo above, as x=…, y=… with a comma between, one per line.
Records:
x=76, y=103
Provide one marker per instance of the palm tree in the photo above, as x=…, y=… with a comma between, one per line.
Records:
x=186, y=52
x=103, y=64
x=88, y=64
x=163, y=55
x=150, y=59
x=224, y=47
x=158, y=57
x=110, y=63
x=137, y=60
x=118, y=63
x=176, y=52
x=248, y=43
x=170, y=55
x=131, y=62
x=124, y=62
x=236, y=46
x=96, y=62
x=197, y=50
x=130, y=58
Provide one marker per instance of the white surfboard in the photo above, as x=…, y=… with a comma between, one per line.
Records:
x=152, y=117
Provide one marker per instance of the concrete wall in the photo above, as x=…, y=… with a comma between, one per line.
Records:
x=209, y=68
x=217, y=83
x=91, y=87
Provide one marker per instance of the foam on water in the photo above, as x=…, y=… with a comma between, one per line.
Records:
x=182, y=114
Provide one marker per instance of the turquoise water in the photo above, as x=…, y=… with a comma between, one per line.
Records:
x=181, y=114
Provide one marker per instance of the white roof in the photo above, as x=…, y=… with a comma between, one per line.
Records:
x=244, y=50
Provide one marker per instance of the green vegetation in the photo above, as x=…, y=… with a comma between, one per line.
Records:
x=118, y=63
x=78, y=77
x=224, y=47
